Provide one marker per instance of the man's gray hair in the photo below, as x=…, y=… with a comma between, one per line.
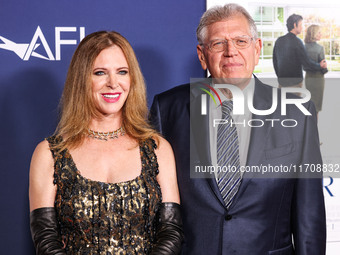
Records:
x=220, y=13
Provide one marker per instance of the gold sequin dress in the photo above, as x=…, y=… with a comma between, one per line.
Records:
x=106, y=218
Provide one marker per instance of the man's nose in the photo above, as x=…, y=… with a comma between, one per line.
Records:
x=229, y=49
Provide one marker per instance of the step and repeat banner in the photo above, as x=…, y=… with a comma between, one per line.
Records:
x=37, y=40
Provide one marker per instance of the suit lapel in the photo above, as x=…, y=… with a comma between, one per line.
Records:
x=262, y=100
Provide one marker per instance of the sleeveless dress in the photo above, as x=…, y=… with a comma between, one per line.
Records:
x=106, y=218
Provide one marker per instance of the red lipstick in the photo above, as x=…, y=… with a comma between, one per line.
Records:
x=111, y=97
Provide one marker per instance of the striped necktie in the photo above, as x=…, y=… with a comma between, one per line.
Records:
x=228, y=157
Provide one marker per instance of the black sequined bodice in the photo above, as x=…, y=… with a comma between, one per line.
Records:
x=106, y=218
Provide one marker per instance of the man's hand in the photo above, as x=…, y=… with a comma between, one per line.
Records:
x=323, y=64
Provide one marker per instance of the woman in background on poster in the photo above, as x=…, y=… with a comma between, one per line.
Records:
x=315, y=81
x=105, y=182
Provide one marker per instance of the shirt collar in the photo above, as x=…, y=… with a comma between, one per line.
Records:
x=248, y=89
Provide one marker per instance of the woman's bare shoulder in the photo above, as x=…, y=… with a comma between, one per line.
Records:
x=42, y=189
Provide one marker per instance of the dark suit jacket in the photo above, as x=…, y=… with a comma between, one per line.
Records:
x=266, y=212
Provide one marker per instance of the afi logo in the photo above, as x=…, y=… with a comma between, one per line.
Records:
x=26, y=50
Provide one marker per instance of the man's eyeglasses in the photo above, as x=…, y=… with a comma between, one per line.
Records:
x=219, y=45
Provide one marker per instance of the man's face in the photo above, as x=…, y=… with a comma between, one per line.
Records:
x=232, y=62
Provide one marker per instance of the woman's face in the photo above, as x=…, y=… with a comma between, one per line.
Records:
x=110, y=81
x=318, y=35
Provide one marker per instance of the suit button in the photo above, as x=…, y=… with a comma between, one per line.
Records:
x=228, y=217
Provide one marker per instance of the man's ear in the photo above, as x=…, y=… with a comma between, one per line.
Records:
x=295, y=24
x=201, y=57
x=258, y=46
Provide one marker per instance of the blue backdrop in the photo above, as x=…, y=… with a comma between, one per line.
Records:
x=37, y=40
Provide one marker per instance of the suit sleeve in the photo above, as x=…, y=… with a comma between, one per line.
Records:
x=275, y=60
x=308, y=211
x=155, y=115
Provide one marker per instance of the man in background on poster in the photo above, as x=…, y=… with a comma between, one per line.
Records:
x=236, y=212
x=289, y=55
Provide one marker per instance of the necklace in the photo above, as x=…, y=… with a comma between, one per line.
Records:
x=105, y=136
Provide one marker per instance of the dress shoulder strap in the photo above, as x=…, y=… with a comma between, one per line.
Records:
x=53, y=140
x=148, y=156
x=57, y=156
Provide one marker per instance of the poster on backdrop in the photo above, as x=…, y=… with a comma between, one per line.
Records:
x=270, y=17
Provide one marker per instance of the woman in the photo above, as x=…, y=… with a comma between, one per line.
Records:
x=98, y=183
x=315, y=81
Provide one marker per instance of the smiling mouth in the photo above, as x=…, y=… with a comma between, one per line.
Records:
x=111, y=96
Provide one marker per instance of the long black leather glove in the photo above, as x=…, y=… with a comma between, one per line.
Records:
x=169, y=235
x=44, y=232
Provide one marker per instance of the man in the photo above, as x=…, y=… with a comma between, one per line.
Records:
x=290, y=55
x=264, y=213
